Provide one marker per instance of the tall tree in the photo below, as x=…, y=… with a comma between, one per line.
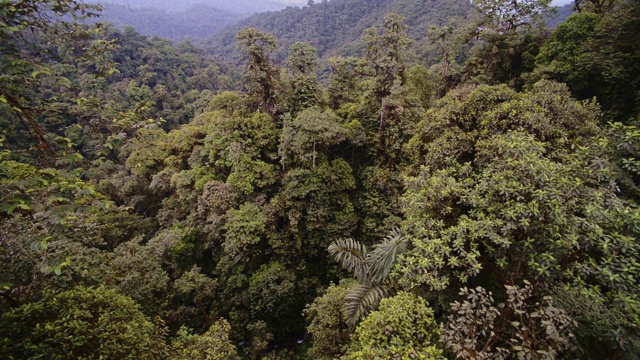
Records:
x=509, y=45
x=344, y=82
x=504, y=16
x=304, y=89
x=385, y=64
x=595, y=6
x=261, y=77
x=385, y=56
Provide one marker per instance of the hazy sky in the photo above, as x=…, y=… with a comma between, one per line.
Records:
x=176, y=3
x=304, y=2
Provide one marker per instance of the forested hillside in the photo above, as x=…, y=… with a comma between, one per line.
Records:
x=182, y=20
x=234, y=6
x=465, y=187
x=334, y=27
x=195, y=23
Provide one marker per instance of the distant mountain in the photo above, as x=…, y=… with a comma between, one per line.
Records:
x=181, y=19
x=196, y=23
x=334, y=27
x=235, y=6
x=562, y=13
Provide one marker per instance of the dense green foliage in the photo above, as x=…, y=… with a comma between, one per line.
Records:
x=597, y=56
x=402, y=328
x=155, y=203
x=82, y=323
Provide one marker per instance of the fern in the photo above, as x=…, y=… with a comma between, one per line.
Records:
x=352, y=256
x=360, y=300
x=382, y=258
x=371, y=270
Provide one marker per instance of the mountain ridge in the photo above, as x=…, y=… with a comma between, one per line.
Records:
x=196, y=23
x=235, y=6
x=334, y=27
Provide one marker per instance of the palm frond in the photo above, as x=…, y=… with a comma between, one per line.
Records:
x=381, y=259
x=360, y=300
x=351, y=255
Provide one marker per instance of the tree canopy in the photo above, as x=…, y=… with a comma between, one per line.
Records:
x=461, y=183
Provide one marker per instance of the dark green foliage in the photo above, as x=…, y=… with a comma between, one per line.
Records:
x=85, y=323
x=39, y=52
x=49, y=217
x=212, y=345
x=304, y=90
x=597, y=56
x=302, y=59
x=595, y=6
x=507, y=46
x=385, y=55
x=158, y=79
x=327, y=323
x=260, y=77
x=561, y=54
x=344, y=82
x=310, y=136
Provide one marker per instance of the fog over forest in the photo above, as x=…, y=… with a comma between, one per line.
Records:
x=184, y=19
x=240, y=6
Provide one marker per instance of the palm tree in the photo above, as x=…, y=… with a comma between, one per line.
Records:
x=371, y=269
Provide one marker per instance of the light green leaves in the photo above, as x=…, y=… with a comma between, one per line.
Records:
x=513, y=187
x=403, y=327
x=13, y=205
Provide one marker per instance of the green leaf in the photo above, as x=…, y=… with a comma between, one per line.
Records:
x=5, y=207
x=23, y=206
x=64, y=82
x=351, y=255
x=360, y=300
x=382, y=258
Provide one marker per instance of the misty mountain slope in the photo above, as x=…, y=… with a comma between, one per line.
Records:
x=196, y=23
x=562, y=13
x=334, y=27
x=235, y=6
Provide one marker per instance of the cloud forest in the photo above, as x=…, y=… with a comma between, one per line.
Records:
x=349, y=179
